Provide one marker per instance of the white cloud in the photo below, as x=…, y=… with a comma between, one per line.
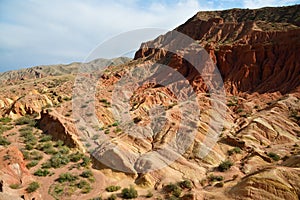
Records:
x=265, y=3
x=37, y=32
x=64, y=31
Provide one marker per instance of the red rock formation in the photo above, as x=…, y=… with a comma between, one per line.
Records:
x=253, y=51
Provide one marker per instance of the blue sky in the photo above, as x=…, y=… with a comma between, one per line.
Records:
x=34, y=32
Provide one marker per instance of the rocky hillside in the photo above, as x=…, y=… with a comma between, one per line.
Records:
x=174, y=141
x=53, y=70
x=254, y=50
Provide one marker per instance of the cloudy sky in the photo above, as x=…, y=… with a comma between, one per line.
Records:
x=34, y=32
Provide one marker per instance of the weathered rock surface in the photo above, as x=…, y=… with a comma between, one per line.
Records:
x=14, y=171
x=253, y=51
x=271, y=183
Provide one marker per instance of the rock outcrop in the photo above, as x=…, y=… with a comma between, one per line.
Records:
x=272, y=183
x=14, y=171
x=60, y=128
x=253, y=50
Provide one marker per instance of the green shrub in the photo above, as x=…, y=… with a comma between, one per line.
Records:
x=41, y=172
x=64, y=149
x=86, y=174
x=112, y=188
x=47, y=147
x=24, y=131
x=5, y=120
x=234, y=150
x=213, y=178
x=4, y=141
x=4, y=128
x=173, y=189
x=112, y=197
x=225, y=165
x=28, y=137
x=188, y=196
x=67, y=177
x=186, y=184
x=129, y=193
x=95, y=137
x=85, y=161
x=33, y=186
x=6, y=157
x=32, y=164
x=26, y=154
x=274, y=156
x=25, y=120
x=177, y=192
x=96, y=198
x=82, y=184
x=29, y=147
x=149, y=194
x=59, y=143
x=15, y=186
x=115, y=124
x=50, y=151
x=58, y=189
x=46, y=165
x=46, y=138
x=58, y=160
x=75, y=157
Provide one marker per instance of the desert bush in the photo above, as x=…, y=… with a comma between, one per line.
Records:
x=234, y=150
x=4, y=128
x=32, y=164
x=15, y=186
x=213, y=178
x=66, y=177
x=174, y=189
x=112, y=188
x=64, y=150
x=225, y=165
x=115, y=124
x=84, y=186
x=42, y=172
x=4, y=141
x=35, y=155
x=149, y=194
x=59, y=143
x=96, y=198
x=33, y=186
x=75, y=157
x=274, y=156
x=47, y=148
x=46, y=165
x=5, y=120
x=25, y=120
x=81, y=184
x=188, y=196
x=186, y=184
x=85, y=161
x=58, y=160
x=24, y=131
x=29, y=147
x=86, y=174
x=45, y=138
x=129, y=193
x=112, y=197
x=6, y=157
